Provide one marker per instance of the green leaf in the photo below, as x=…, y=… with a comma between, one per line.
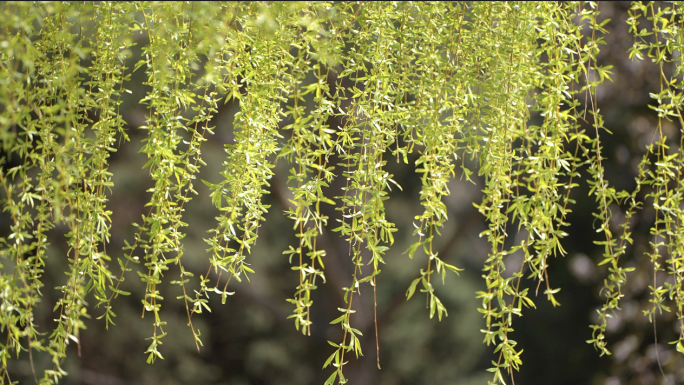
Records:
x=412, y=288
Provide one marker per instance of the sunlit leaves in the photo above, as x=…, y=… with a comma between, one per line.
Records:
x=660, y=171
x=508, y=86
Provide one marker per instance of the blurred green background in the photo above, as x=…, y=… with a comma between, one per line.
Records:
x=248, y=340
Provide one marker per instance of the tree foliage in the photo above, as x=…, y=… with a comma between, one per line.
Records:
x=446, y=81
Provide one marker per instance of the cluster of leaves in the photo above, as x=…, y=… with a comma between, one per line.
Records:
x=661, y=40
x=446, y=81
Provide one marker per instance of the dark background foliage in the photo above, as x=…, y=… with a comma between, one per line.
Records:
x=248, y=340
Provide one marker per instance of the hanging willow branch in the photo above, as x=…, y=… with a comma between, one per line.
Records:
x=443, y=81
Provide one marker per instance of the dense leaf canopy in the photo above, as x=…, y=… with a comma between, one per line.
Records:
x=502, y=90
